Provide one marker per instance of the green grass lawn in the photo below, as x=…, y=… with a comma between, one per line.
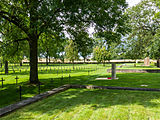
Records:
x=10, y=94
x=83, y=104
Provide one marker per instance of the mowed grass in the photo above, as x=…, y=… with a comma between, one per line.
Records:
x=83, y=104
x=48, y=77
x=80, y=75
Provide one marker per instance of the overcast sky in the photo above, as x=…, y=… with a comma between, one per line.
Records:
x=132, y=2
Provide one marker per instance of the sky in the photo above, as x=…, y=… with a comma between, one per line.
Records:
x=132, y=2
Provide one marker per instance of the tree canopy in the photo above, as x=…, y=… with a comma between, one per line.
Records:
x=34, y=17
x=144, y=30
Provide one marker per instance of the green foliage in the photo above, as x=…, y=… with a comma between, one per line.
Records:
x=144, y=26
x=134, y=49
x=34, y=17
x=51, y=46
x=71, y=51
x=101, y=54
x=84, y=44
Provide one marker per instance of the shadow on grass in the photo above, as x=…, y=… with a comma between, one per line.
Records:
x=10, y=93
x=71, y=99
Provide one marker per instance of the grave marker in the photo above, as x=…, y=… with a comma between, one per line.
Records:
x=147, y=61
x=16, y=80
x=69, y=78
x=2, y=81
x=20, y=92
x=61, y=80
x=39, y=88
x=57, y=72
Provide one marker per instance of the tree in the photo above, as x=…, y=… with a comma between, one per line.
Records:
x=134, y=49
x=49, y=46
x=34, y=17
x=71, y=52
x=144, y=26
x=84, y=44
x=101, y=54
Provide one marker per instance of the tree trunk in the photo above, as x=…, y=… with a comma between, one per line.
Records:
x=104, y=63
x=135, y=64
x=20, y=63
x=47, y=60
x=84, y=59
x=158, y=62
x=73, y=64
x=47, y=57
x=33, y=60
x=6, y=67
x=1, y=65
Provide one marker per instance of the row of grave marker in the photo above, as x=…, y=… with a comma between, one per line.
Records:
x=39, y=84
x=39, y=88
x=2, y=79
x=51, y=69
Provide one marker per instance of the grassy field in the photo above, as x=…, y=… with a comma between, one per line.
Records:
x=80, y=75
x=48, y=77
x=82, y=104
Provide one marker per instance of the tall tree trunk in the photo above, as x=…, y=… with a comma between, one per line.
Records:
x=33, y=41
x=135, y=64
x=6, y=67
x=49, y=59
x=33, y=61
x=1, y=65
x=73, y=64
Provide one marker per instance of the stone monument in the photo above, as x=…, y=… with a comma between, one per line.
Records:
x=146, y=61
